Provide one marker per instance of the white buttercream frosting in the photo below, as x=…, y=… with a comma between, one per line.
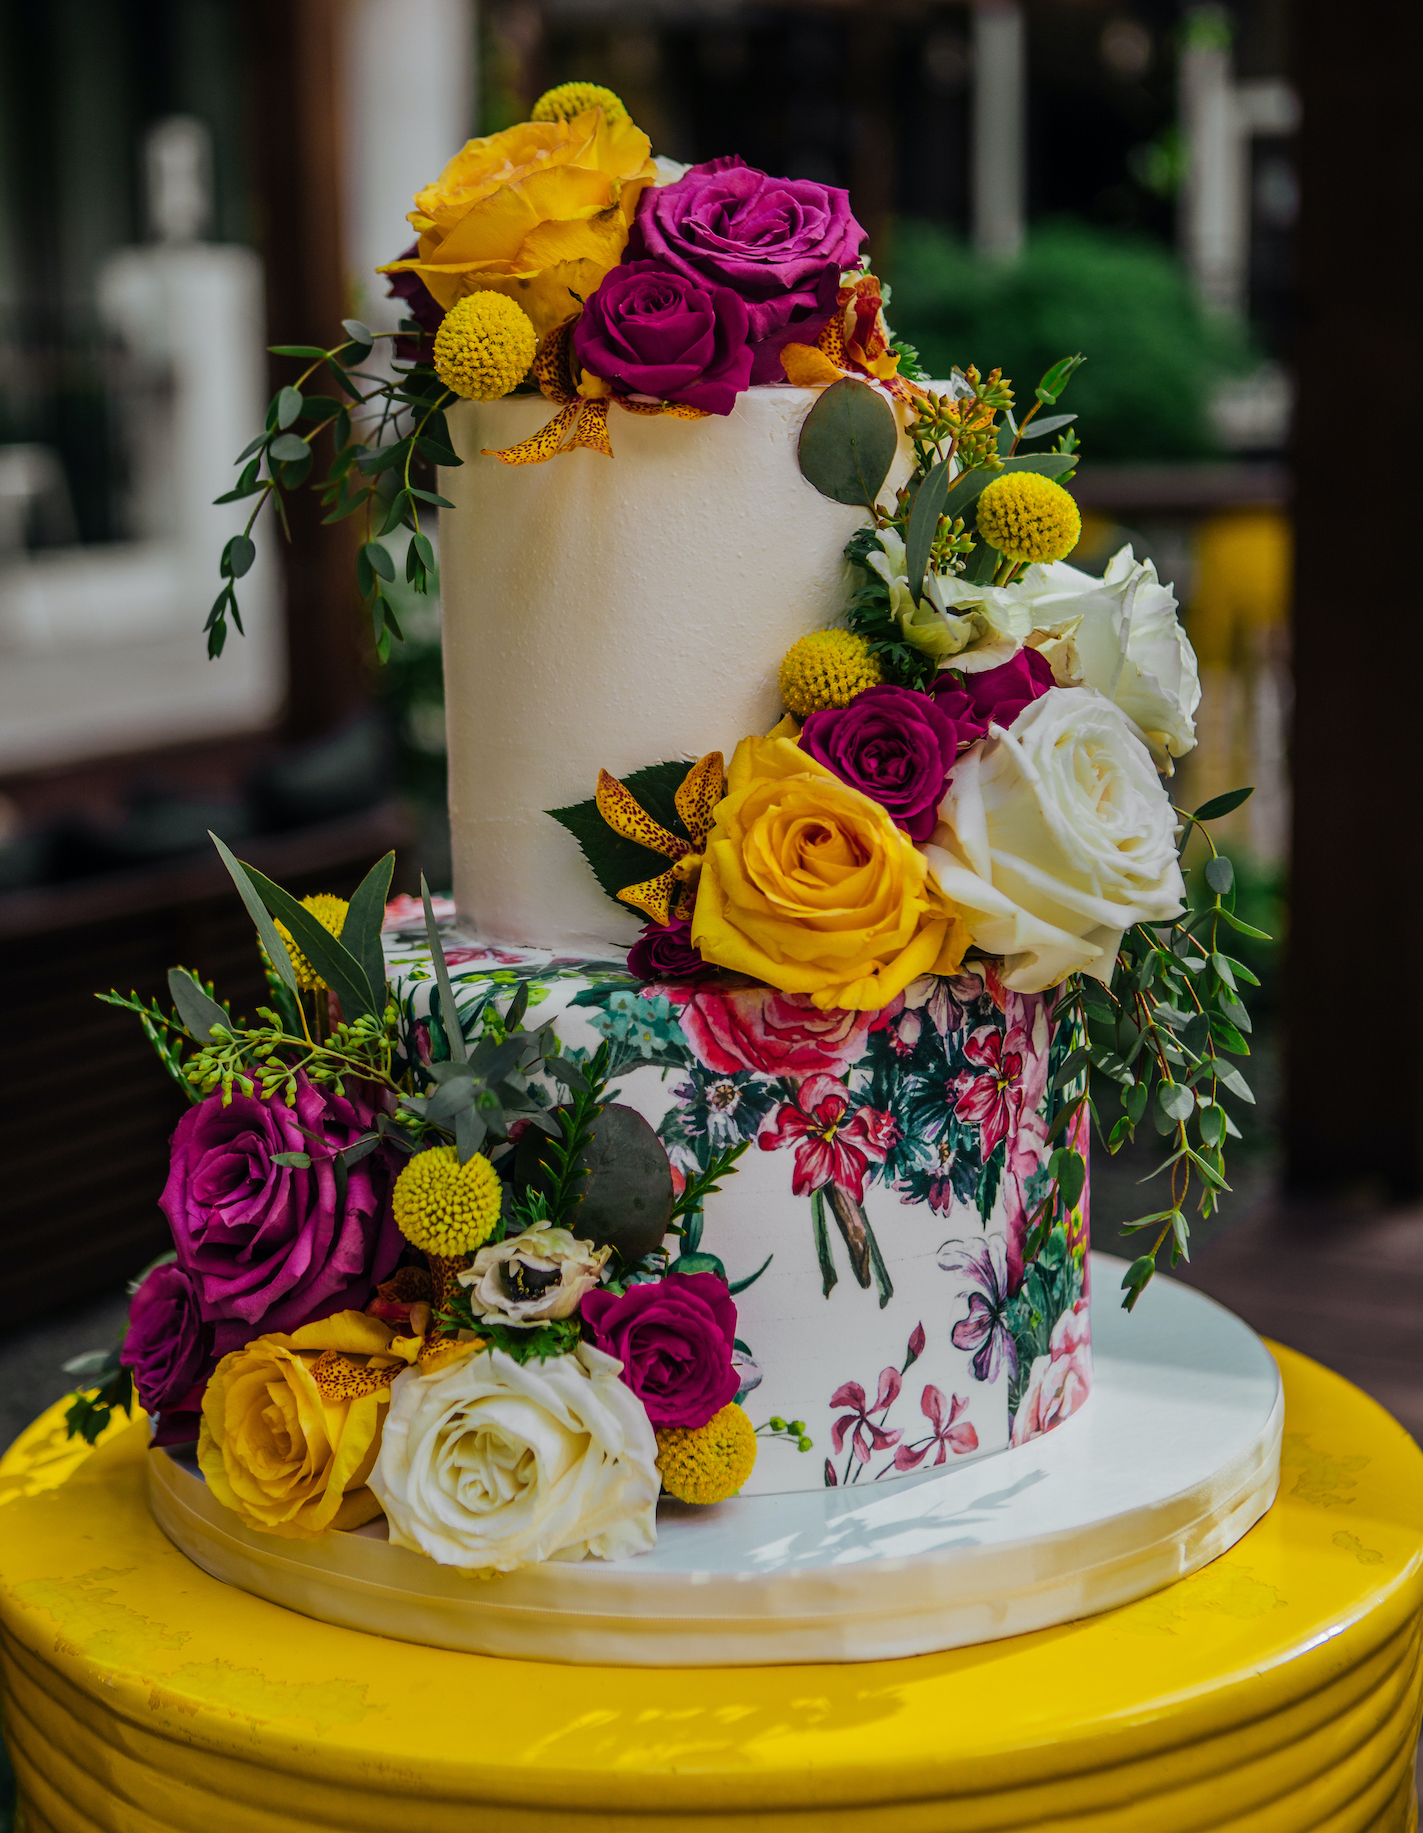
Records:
x=613, y=613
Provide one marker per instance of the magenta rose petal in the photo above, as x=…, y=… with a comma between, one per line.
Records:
x=675, y=1339
x=650, y=331
x=268, y=1246
x=780, y=244
x=892, y=744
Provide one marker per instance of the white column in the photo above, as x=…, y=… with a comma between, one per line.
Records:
x=999, y=127
x=410, y=106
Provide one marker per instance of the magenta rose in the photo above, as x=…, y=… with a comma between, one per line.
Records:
x=780, y=244
x=675, y=1340
x=272, y=1246
x=169, y=1348
x=664, y=951
x=893, y=745
x=649, y=330
x=995, y=694
x=776, y=1034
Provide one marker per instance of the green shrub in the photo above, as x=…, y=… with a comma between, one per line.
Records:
x=1153, y=351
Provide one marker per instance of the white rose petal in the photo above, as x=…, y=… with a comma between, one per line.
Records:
x=1056, y=836
x=492, y=1465
x=1131, y=645
x=492, y=1278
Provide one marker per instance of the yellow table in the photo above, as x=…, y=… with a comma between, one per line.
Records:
x=1277, y=1689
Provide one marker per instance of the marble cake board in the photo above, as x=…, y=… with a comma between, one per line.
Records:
x=1173, y=1458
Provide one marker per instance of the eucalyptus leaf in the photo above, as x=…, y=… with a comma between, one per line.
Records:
x=359, y=1149
x=289, y=405
x=923, y=524
x=1220, y=874
x=336, y=965
x=450, y=1099
x=295, y=1161
x=276, y=949
x=449, y=1011
x=1222, y=805
x=848, y=443
x=360, y=933
x=288, y=449
x=1039, y=429
x=197, y=1011
x=1175, y=1102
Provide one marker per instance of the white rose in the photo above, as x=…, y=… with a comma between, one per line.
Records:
x=1054, y=837
x=492, y=1465
x=531, y=1277
x=1132, y=647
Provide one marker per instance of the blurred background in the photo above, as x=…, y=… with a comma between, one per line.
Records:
x=183, y=182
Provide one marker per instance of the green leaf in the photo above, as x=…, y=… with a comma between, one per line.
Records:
x=378, y=559
x=449, y=1011
x=1222, y=805
x=360, y=933
x=237, y=557
x=848, y=443
x=197, y=1011
x=1071, y=1176
x=1245, y=929
x=1134, y=1101
x=1213, y=1120
x=1240, y=970
x=289, y=405
x=437, y=453
x=1044, y=464
x=1073, y=1067
x=276, y=949
x=287, y=449
x=336, y=965
x=923, y=525
x=357, y=332
x=698, y=1263
x=430, y=496
x=1175, y=1102
x=1136, y=1278
x=617, y=862
x=1227, y=1036
x=309, y=351
x=740, y=1285
x=1237, y=1014
x=1039, y=429
x=1220, y=874
x=1058, y=377
x=298, y=1161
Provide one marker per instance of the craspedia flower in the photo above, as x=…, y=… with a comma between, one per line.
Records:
x=827, y=668
x=330, y=912
x=570, y=99
x=1028, y=517
x=445, y=1207
x=484, y=346
x=708, y=1463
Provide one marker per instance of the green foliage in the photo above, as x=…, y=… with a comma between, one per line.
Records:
x=523, y=1343
x=108, y=1390
x=848, y=442
x=1154, y=347
x=616, y=862
x=385, y=431
x=1163, y=1033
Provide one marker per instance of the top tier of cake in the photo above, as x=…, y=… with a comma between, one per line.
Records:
x=613, y=613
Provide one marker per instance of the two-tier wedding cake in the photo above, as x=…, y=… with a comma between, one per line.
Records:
x=728, y=1135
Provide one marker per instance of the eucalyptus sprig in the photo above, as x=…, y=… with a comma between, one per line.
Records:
x=381, y=424
x=1163, y=1031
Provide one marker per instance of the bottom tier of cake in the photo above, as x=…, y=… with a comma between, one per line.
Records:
x=1176, y=1458
x=873, y=1230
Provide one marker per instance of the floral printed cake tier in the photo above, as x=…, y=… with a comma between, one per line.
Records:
x=873, y=1229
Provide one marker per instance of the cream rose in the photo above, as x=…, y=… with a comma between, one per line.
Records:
x=534, y=1276
x=1132, y=648
x=1054, y=837
x=492, y=1465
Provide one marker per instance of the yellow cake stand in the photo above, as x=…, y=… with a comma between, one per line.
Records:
x=1276, y=1689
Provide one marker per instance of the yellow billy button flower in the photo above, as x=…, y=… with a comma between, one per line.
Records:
x=570, y=100
x=330, y=912
x=827, y=668
x=484, y=346
x=707, y=1463
x=445, y=1207
x=1028, y=517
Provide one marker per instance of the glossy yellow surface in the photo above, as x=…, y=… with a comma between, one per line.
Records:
x=1277, y=1689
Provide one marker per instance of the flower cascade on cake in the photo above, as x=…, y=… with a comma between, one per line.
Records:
x=425, y=1262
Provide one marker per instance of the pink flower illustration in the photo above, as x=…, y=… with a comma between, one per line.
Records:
x=776, y=1034
x=945, y=1434
x=828, y=1148
x=990, y=1094
x=1060, y=1381
x=984, y=1330
x=865, y=1436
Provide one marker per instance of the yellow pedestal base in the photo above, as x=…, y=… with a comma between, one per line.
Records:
x=1276, y=1689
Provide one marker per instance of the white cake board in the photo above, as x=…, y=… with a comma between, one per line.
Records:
x=1173, y=1458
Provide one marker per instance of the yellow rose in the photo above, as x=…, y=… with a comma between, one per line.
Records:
x=809, y=885
x=291, y=1424
x=539, y=212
